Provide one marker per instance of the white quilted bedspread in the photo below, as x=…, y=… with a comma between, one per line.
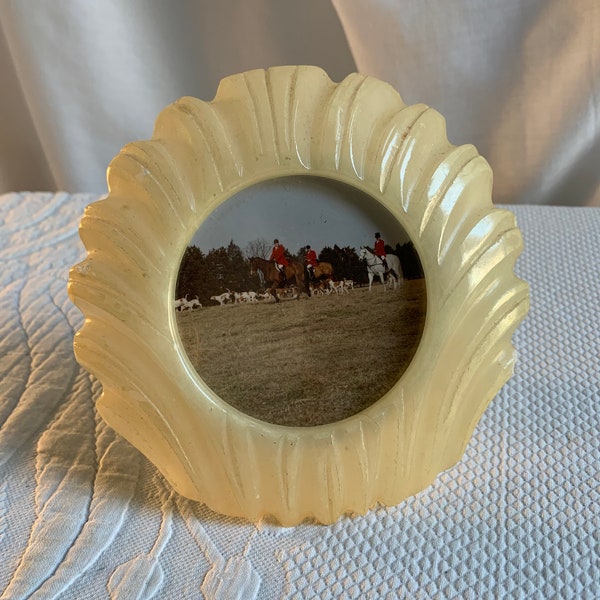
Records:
x=84, y=515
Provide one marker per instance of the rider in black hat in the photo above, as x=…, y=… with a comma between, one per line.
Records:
x=310, y=260
x=278, y=256
x=380, y=249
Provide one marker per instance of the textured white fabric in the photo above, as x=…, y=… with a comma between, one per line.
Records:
x=520, y=79
x=84, y=515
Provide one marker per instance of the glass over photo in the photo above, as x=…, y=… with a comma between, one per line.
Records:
x=300, y=301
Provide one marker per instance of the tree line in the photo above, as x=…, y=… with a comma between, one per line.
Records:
x=206, y=274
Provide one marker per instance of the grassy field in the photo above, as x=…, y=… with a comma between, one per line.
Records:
x=311, y=361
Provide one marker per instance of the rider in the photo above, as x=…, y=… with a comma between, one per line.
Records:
x=380, y=249
x=310, y=259
x=278, y=255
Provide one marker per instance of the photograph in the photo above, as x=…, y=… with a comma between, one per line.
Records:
x=300, y=301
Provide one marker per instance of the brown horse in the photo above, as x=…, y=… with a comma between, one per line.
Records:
x=323, y=270
x=269, y=273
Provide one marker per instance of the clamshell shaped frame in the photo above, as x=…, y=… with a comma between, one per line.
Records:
x=264, y=125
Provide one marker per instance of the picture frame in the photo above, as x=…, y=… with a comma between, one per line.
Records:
x=295, y=122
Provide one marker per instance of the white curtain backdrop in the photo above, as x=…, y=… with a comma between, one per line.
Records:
x=520, y=79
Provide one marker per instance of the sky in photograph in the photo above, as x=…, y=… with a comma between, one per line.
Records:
x=299, y=211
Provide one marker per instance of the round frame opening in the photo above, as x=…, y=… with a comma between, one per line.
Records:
x=310, y=330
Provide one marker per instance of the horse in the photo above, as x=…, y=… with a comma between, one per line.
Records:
x=267, y=271
x=375, y=266
x=323, y=270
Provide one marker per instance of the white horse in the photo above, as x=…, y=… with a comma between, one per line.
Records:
x=375, y=267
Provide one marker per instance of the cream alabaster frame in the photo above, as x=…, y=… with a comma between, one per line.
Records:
x=264, y=125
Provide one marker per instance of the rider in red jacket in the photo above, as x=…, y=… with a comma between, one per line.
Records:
x=278, y=255
x=310, y=259
x=380, y=249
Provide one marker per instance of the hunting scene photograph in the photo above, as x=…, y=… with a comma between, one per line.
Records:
x=300, y=301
